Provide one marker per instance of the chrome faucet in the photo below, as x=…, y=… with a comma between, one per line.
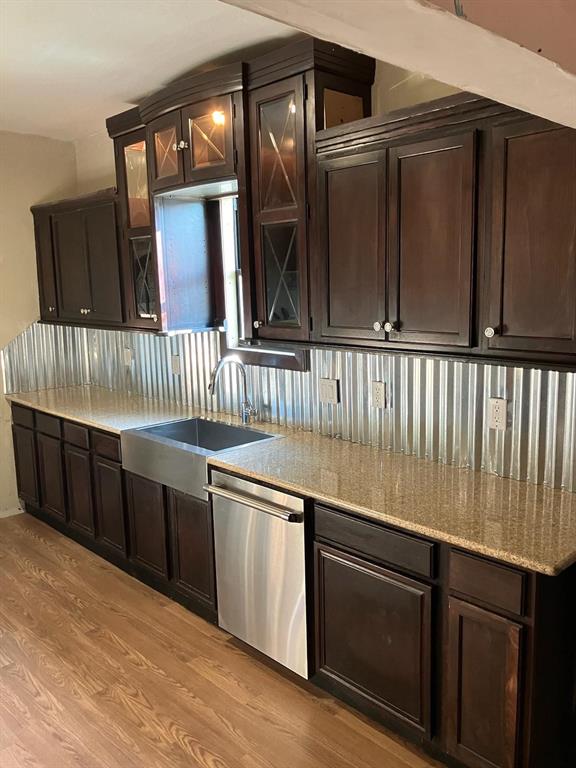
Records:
x=247, y=411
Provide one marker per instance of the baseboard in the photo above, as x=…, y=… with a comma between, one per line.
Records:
x=10, y=512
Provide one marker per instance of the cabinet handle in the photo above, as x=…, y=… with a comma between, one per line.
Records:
x=490, y=332
x=257, y=323
x=389, y=327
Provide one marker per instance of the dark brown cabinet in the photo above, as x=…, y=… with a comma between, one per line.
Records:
x=193, y=144
x=374, y=637
x=352, y=216
x=279, y=208
x=79, y=484
x=78, y=260
x=147, y=525
x=51, y=475
x=431, y=245
x=191, y=547
x=26, y=464
x=109, y=503
x=532, y=245
x=484, y=668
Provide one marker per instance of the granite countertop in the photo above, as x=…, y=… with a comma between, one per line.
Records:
x=516, y=522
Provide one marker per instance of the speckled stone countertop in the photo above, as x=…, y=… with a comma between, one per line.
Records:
x=519, y=523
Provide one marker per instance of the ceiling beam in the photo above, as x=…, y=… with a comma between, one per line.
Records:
x=426, y=39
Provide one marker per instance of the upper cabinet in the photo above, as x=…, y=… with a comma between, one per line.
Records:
x=78, y=260
x=321, y=86
x=532, y=242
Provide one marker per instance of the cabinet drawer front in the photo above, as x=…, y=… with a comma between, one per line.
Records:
x=23, y=416
x=496, y=585
x=76, y=434
x=107, y=446
x=49, y=425
x=398, y=549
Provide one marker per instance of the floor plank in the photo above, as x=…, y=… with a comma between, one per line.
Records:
x=99, y=671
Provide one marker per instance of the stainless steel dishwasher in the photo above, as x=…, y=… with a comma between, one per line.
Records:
x=260, y=571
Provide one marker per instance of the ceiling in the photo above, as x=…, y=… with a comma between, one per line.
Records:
x=67, y=65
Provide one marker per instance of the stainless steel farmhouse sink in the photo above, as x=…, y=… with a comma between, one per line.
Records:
x=176, y=453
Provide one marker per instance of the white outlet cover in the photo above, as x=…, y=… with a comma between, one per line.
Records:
x=176, y=369
x=498, y=413
x=127, y=356
x=379, y=394
x=329, y=391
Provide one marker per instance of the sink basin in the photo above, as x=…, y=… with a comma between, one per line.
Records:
x=176, y=453
x=211, y=436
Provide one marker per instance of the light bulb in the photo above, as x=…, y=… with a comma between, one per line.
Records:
x=218, y=117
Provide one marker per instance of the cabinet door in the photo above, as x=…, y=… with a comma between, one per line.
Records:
x=132, y=173
x=192, y=546
x=26, y=464
x=351, y=268
x=79, y=484
x=207, y=129
x=51, y=475
x=103, y=258
x=147, y=524
x=165, y=147
x=374, y=636
x=483, y=687
x=45, y=265
x=533, y=241
x=72, y=267
x=279, y=209
x=109, y=503
x=431, y=253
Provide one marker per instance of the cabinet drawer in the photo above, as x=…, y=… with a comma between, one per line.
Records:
x=495, y=585
x=48, y=425
x=107, y=446
x=23, y=416
x=76, y=434
x=375, y=541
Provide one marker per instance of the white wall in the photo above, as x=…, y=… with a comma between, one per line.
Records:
x=395, y=88
x=95, y=162
x=33, y=169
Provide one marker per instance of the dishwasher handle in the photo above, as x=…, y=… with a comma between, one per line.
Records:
x=252, y=501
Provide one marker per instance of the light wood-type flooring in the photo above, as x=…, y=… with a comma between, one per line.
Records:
x=99, y=671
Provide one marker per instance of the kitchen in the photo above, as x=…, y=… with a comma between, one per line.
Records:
x=292, y=419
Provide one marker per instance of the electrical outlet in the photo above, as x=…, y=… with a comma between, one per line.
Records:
x=127, y=356
x=379, y=399
x=330, y=391
x=176, y=370
x=497, y=413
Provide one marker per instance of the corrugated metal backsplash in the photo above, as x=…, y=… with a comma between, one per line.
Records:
x=437, y=408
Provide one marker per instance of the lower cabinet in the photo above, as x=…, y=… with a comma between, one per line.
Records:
x=374, y=637
x=79, y=483
x=109, y=504
x=26, y=464
x=51, y=475
x=191, y=547
x=147, y=524
x=483, y=686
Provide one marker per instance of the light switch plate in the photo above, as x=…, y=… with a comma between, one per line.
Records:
x=127, y=354
x=498, y=413
x=379, y=399
x=330, y=391
x=176, y=370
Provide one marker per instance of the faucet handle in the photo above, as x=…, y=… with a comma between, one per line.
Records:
x=247, y=412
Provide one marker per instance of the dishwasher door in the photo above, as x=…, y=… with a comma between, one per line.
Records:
x=260, y=571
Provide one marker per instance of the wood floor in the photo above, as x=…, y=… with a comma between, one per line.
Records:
x=98, y=671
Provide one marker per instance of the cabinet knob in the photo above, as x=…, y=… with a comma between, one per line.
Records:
x=389, y=327
x=51, y=309
x=377, y=326
x=180, y=146
x=257, y=323
x=489, y=332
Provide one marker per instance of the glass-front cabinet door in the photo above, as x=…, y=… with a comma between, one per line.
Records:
x=143, y=277
x=207, y=131
x=165, y=151
x=136, y=175
x=279, y=199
